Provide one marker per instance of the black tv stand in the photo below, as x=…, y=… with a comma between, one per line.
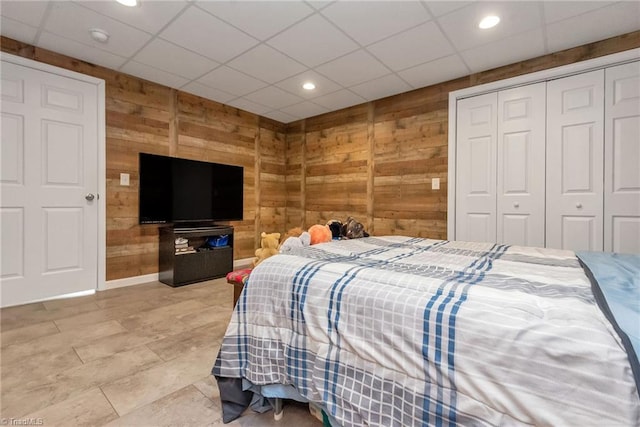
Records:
x=202, y=262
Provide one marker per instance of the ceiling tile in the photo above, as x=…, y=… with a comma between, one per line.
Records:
x=503, y=52
x=124, y=40
x=200, y=32
x=439, y=8
x=17, y=30
x=27, y=12
x=440, y=70
x=149, y=16
x=153, y=74
x=588, y=28
x=376, y=20
x=420, y=44
x=280, y=116
x=231, y=81
x=319, y=4
x=274, y=97
x=354, y=68
x=304, y=109
x=323, y=85
x=267, y=64
x=80, y=51
x=340, y=99
x=249, y=16
x=559, y=10
x=172, y=59
x=313, y=41
x=207, y=92
x=380, y=88
x=461, y=26
x=246, y=105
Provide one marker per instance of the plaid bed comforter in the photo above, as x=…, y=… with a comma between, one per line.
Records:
x=398, y=331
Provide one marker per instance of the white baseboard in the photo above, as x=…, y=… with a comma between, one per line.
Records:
x=130, y=281
x=146, y=278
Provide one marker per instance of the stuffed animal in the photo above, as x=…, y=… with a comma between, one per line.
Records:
x=353, y=229
x=294, y=232
x=294, y=242
x=320, y=234
x=268, y=247
x=336, y=229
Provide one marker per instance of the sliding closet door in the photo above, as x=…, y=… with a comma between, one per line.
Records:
x=575, y=113
x=476, y=168
x=521, y=160
x=622, y=159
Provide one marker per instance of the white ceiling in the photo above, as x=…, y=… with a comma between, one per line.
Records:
x=255, y=55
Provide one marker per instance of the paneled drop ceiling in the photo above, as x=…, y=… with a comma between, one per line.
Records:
x=255, y=55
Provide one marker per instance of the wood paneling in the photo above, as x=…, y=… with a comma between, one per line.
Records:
x=272, y=178
x=336, y=168
x=295, y=177
x=375, y=161
x=146, y=117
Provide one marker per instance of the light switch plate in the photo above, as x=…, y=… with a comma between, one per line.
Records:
x=435, y=183
x=124, y=179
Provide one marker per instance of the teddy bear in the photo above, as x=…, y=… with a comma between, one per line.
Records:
x=294, y=242
x=268, y=247
x=320, y=234
x=353, y=229
x=336, y=228
x=294, y=232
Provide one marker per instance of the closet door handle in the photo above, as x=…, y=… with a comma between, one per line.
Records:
x=579, y=205
x=516, y=204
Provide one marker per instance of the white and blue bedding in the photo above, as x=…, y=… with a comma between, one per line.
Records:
x=399, y=331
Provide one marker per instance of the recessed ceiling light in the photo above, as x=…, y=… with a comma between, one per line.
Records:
x=129, y=3
x=99, y=35
x=489, y=22
x=308, y=86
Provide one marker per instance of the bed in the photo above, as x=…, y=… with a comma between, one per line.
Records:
x=400, y=331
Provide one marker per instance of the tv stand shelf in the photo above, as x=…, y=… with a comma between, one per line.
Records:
x=204, y=264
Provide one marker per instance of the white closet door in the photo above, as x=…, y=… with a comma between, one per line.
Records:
x=476, y=169
x=521, y=165
x=622, y=159
x=575, y=113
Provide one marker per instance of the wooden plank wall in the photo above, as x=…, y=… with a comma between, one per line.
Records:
x=146, y=117
x=375, y=161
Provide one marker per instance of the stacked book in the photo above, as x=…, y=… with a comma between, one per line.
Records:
x=182, y=246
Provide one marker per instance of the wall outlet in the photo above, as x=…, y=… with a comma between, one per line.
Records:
x=435, y=183
x=124, y=179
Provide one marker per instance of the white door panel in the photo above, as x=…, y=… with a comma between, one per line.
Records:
x=622, y=159
x=520, y=165
x=49, y=164
x=580, y=232
x=476, y=169
x=575, y=149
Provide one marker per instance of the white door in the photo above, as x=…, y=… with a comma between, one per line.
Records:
x=476, y=169
x=622, y=159
x=575, y=113
x=49, y=162
x=521, y=165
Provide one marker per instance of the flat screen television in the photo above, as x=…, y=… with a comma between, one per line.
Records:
x=176, y=190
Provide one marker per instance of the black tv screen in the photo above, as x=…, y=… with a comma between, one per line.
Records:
x=181, y=190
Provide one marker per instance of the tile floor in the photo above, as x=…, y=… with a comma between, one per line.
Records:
x=134, y=356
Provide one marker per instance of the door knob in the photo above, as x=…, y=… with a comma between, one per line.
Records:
x=579, y=205
x=90, y=196
x=516, y=204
